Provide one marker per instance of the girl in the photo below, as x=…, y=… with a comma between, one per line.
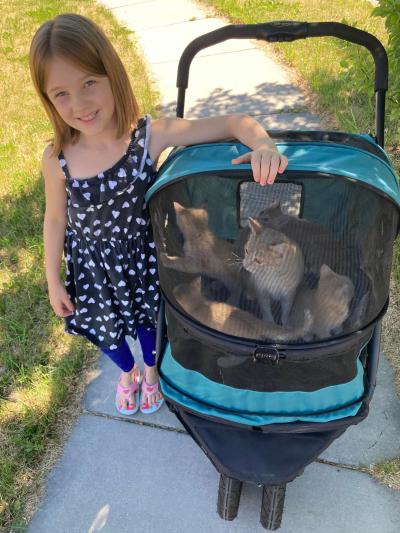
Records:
x=97, y=170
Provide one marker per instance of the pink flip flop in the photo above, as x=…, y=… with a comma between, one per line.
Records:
x=133, y=388
x=146, y=391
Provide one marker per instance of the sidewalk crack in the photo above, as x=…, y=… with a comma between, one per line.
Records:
x=344, y=466
x=184, y=432
x=152, y=28
x=136, y=421
x=133, y=4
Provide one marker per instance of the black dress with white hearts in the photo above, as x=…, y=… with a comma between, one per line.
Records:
x=109, y=249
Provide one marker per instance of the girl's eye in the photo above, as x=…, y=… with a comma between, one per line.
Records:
x=61, y=93
x=90, y=83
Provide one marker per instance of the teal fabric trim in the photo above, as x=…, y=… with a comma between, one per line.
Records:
x=254, y=420
x=334, y=159
x=307, y=405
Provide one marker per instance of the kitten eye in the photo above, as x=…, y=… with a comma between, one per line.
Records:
x=246, y=250
x=257, y=261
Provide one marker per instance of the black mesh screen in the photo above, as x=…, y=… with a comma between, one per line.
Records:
x=303, y=260
x=312, y=371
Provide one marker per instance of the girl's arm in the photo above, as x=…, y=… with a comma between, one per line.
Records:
x=265, y=159
x=55, y=220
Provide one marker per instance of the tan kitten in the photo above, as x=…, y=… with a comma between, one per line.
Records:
x=233, y=321
x=204, y=253
x=276, y=265
x=329, y=303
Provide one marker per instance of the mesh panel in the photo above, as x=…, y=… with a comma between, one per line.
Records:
x=244, y=373
x=312, y=264
x=254, y=200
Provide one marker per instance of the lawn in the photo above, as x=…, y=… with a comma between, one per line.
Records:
x=42, y=370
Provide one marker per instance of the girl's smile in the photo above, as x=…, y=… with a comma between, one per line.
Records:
x=88, y=118
x=83, y=100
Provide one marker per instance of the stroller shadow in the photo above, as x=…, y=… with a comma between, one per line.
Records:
x=267, y=98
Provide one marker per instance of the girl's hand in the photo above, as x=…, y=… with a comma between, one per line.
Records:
x=266, y=163
x=60, y=301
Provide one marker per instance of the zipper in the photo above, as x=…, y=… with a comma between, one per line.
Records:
x=267, y=355
x=273, y=354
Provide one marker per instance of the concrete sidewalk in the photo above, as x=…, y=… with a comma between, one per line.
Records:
x=126, y=475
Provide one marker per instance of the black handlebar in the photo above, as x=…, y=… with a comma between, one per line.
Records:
x=288, y=31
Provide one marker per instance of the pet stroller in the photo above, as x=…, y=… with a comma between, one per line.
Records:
x=273, y=296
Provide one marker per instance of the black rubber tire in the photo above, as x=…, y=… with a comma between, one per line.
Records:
x=229, y=491
x=273, y=499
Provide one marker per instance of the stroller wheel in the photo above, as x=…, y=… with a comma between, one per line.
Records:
x=229, y=491
x=273, y=499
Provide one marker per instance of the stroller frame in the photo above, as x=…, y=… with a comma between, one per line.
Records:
x=230, y=485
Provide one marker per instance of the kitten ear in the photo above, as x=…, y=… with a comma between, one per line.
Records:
x=255, y=226
x=178, y=207
x=268, y=211
x=325, y=271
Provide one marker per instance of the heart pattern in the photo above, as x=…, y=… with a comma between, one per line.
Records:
x=111, y=276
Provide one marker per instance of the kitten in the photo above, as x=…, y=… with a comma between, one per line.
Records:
x=276, y=265
x=329, y=303
x=318, y=244
x=203, y=251
x=234, y=321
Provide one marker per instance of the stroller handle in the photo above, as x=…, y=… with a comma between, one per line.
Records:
x=287, y=31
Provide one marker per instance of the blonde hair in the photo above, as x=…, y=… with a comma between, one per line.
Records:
x=79, y=40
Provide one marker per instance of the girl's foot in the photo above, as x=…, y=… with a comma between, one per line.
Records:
x=151, y=399
x=127, y=398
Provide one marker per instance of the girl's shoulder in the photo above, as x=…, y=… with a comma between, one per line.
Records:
x=160, y=131
x=51, y=164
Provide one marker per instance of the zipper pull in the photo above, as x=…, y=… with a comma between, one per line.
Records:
x=267, y=355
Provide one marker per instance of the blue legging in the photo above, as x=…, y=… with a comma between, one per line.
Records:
x=122, y=356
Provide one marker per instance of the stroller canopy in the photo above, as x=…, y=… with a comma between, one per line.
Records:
x=294, y=274
x=365, y=161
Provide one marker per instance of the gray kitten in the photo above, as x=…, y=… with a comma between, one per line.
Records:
x=276, y=265
x=318, y=244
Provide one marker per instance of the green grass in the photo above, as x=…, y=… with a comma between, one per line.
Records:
x=41, y=368
x=388, y=472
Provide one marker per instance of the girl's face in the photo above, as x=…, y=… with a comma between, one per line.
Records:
x=84, y=101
